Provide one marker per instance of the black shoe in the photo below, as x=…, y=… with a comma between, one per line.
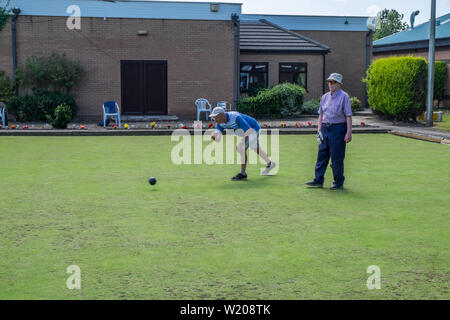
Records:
x=314, y=184
x=239, y=177
x=336, y=187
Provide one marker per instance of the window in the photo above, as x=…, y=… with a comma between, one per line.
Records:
x=253, y=75
x=294, y=73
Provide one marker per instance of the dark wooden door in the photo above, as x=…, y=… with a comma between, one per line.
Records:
x=144, y=87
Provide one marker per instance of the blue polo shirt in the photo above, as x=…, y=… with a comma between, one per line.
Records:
x=236, y=121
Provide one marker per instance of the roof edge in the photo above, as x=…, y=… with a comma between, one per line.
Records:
x=295, y=34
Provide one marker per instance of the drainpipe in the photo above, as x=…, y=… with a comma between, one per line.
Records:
x=16, y=12
x=235, y=19
x=366, y=98
x=323, y=72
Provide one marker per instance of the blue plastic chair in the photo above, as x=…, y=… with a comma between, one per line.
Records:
x=225, y=105
x=111, y=109
x=203, y=105
x=2, y=113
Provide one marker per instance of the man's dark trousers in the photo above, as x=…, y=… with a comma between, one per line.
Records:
x=333, y=146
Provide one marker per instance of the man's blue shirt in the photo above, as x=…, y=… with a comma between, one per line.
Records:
x=236, y=121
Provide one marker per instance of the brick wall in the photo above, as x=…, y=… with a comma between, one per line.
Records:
x=347, y=57
x=199, y=54
x=314, y=68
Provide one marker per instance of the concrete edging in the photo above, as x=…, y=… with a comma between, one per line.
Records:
x=420, y=137
x=161, y=132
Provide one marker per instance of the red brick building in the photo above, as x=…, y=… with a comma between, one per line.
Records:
x=156, y=58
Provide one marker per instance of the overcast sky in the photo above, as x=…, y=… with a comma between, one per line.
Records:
x=340, y=7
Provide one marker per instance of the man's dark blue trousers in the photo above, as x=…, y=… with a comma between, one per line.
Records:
x=333, y=146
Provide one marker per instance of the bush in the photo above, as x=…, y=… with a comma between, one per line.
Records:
x=254, y=90
x=63, y=115
x=396, y=87
x=440, y=77
x=39, y=105
x=6, y=88
x=356, y=104
x=4, y=14
x=311, y=106
x=283, y=100
x=24, y=108
x=53, y=73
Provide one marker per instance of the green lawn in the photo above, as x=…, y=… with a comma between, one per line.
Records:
x=196, y=235
x=445, y=124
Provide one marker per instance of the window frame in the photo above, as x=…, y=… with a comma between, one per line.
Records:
x=253, y=72
x=303, y=64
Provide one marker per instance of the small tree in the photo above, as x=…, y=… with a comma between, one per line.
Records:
x=52, y=73
x=6, y=88
x=390, y=22
x=4, y=13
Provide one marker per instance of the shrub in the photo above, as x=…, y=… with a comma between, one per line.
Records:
x=356, y=104
x=440, y=77
x=47, y=102
x=396, y=86
x=39, y=105
x=63, y=115
x=24, y=108
x=4, y=14
x=284, y=100
x=254, y=90
x=311, y=106
x=6, y=88
x=53, y=73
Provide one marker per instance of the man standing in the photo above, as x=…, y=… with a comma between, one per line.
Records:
x=246, y=127
x=335, y=131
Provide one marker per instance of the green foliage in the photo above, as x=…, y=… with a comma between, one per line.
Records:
x=356, y=104
x=254, y=90
x=440, y=78
x=24, y=108
x=63, y=115
x=390, y=22
x=6, y=88
x=311, y=106
x=4, y=14
x=52, y=73
x=283, y=100
x=39, y=105
x=396, y=87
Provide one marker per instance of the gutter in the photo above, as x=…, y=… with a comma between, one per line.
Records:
x=235, y=19
x=420, y=44
x=16, y=12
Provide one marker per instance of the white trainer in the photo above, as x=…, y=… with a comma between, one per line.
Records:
x=269, y=167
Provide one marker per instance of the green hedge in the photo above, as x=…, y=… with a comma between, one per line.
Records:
x=440, y=78
x=356, y=104
x=396, y=87
x=311, y=106
x=39, y=105
x=283, y=100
